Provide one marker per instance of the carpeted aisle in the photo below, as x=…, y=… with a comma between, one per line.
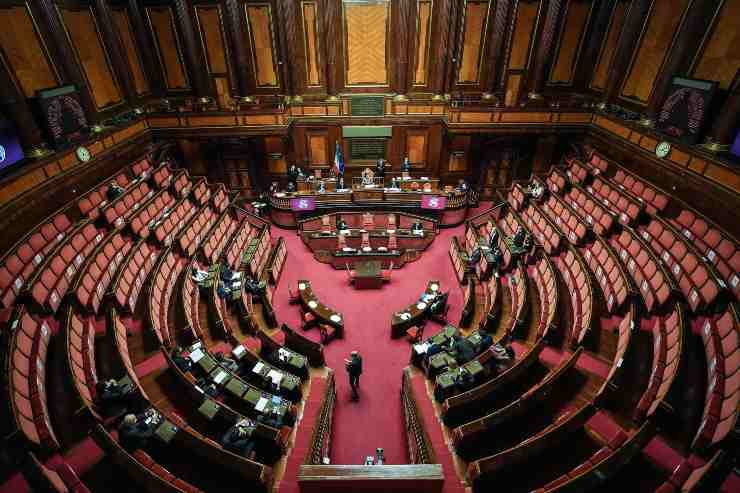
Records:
x=376, y=421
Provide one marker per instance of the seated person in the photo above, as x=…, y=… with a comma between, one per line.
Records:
x=486, y=340
x=367, y=177
x=273, y=188
x=113, y=397
x=238, y=439
x=498, y=257
x=114, y=191
x=417, y=227
x=535, y=190
x=226, y=362
x=135, y=431
x=198, y=275
x=503, y=356
x=254, y=287
x=493, y=238
x=181, y=359
x=270, y=420
x=519, y=238
x=474, y=258
x=462, y=349
x=341, y=224
x=209, y=388
x=462, y=185
x=438, y=305
x=290, y=188
x=528, y=241
x=227, y=275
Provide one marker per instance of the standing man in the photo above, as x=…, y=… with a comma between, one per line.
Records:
x=354, y=369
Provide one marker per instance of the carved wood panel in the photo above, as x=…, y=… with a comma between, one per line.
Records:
x=260, y=19
x=657, y=37
x=417, y=143
x=609, y=46
x=719, y=58
x=311, y=44
x=526, y=17
x=475, y=26
x=209, y=21
x=424, y=9
x=25, y=52
x=366, y=27
x=167, y=46
x=317, y=147
x=126, y=34
x=570, y=40
x=91, y=55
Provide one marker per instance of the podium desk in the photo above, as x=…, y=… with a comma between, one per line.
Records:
x=368, y=275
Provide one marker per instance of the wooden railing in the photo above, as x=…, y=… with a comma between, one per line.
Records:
x=420, y=448
x=320, y=446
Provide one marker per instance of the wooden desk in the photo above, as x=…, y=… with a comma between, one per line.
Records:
x=368, y=275
x=389, y=478
x=415, y=312
x=322, y=312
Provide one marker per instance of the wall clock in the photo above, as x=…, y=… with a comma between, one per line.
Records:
x=83, y=154
x=663, y=149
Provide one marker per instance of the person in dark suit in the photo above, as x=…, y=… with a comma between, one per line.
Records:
x=493, y=238
x=238, y=439
x=417, y=226
x=519, y=238
x=354, y=369
x=227, y=362
x=112, y=397
x=438, y=305
x=486, y=340
x=181, y=360
x=406, y=166
x=380, y=168
x=135, y=431
x=341, y=224
x=462, y=349
x=114, y=191
x=270, y=420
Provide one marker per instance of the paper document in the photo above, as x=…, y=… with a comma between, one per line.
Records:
x=261, y=404
x=219, y=377
x=421, y=348
x=258, y=367
x=275, y=376
x=196, y=355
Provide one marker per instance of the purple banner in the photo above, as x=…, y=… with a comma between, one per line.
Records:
x=433, y=202
x=302, y=205
x=735, y=150
x=10, y=149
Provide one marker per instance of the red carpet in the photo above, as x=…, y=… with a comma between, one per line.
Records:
x=376, y=421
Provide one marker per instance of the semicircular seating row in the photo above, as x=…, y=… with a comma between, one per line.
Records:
x=606, y=235
x=98, y=259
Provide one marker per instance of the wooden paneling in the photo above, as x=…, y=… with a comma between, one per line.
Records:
x=513, y=88
x=24, y=51
x=416, y=147
x=167, y=44
x=210, y=29
x=311, y=44
x=262, y=40
x=317, y=148
x=87, y=43
x=423, y=31
x=366, y=28
x=474, y=34
x=527, y=15
x=570, y=41
x=123, y=26
x=609, y=47
x=719, y=57
x=655, y=42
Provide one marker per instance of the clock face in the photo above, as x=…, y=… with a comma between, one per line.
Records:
x=663, y=149
x=83, y=154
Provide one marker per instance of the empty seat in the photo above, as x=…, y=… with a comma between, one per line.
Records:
x=142, y=168
x=668, y=336
x=715, y=245
x=576, y=171
x=163, y=284
x=80, y=335
x=556, y=182
x=25, y=380
x=132, y=275
x=596, y=216
x=190, y=238
x=93, y=280
x=652, y=281
x=575, y=275
x=609, y=273
x=148, y=217
x=54, y=277
x=721, y=338
x=545, y=279
x=517, y=198
x=173, y=221
x=655, y=201
x=201, y=192
x=220, y=198
x=216, y=240
x=542, y=229
x=21, y=261
x=624, y=206
x=572, y=226
x=695, y=278
x=238, y=244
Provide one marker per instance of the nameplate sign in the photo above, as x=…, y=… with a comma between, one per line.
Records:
x=434, y=202
x=303, y=204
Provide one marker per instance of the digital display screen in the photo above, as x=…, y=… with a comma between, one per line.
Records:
x=10, y=148
x=735, y=149
x=433, y=202
x=302, y=205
